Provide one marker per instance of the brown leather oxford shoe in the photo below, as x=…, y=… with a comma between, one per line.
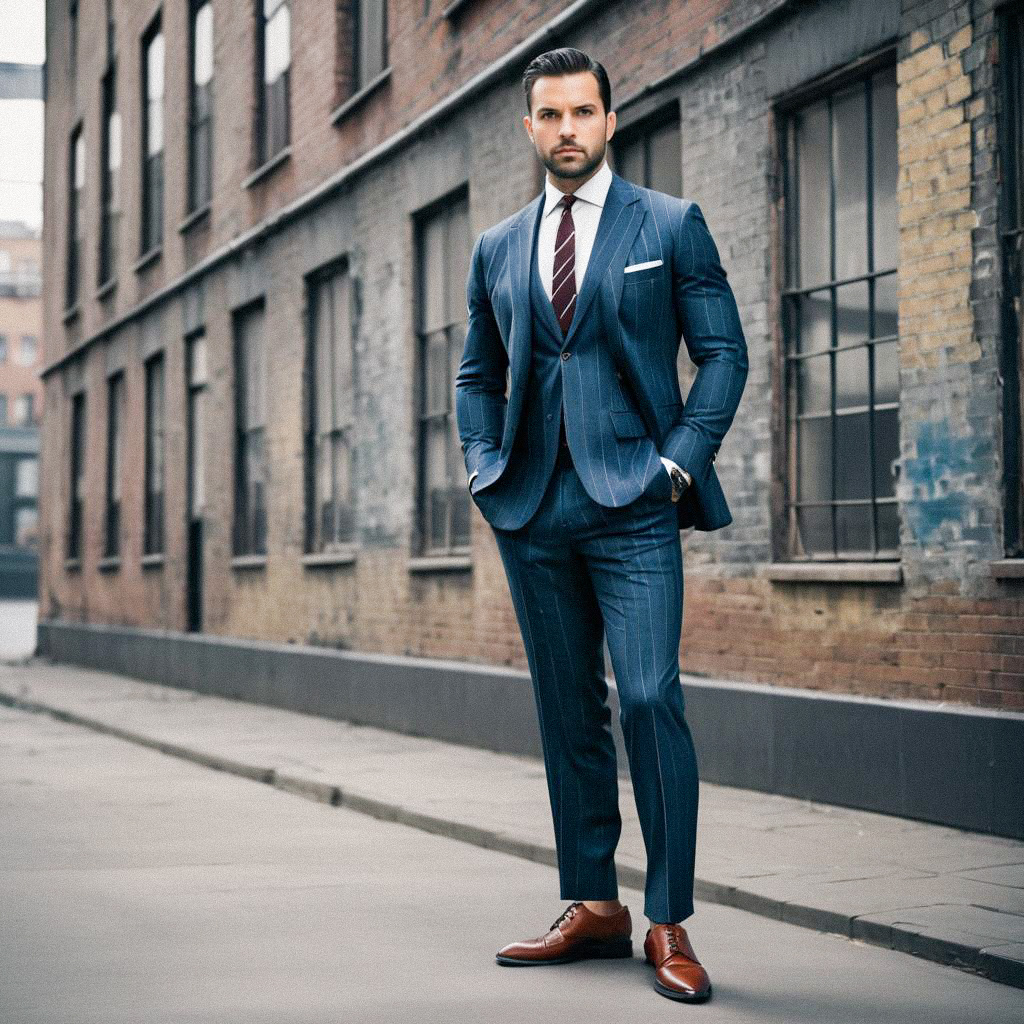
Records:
x=678, y=973
x=578, y=934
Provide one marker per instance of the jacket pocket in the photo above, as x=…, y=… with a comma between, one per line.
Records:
x=627, y=423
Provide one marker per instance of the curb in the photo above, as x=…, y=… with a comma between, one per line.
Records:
x=888, y=936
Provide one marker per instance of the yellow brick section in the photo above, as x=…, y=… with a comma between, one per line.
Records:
x=936, y=217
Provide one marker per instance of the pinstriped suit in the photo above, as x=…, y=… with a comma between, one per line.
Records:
x=587, y=535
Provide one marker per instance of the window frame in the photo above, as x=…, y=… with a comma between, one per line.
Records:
x=154, y=454
x=75, y=237
x=264, y=153
x=458, y=489
x=114, y=470
x=786, y=542
x=314, y=434
x=1010, y=135
x=249, y=522
x=198, y=198
x=151, y=231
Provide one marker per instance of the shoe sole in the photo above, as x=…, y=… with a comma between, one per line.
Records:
x=583, y=951
x=671, y=993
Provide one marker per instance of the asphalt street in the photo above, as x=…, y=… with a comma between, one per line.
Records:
x=136, y=887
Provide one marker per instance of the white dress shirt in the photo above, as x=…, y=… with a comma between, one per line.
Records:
x=585, y=213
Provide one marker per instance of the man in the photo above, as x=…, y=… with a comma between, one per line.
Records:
x=586, y=470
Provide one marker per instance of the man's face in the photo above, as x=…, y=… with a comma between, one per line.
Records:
x=568, y=126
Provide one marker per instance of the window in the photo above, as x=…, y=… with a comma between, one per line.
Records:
x=19, y=490
x=274, y=52
x=110, y=171
x=76, y=490
x=200, y=131
x=250, y=515
x=370, y=43
x=651, y=154
x=153, y=511
x=24, y=410
x=152, y=138
x=443, y=250
x=329, y=445
x=29, y=351
x=115, y=417
x=841, y=362
x=76, y=216
x=1011, y=228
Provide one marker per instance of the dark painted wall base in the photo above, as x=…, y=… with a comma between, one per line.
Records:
x=956, y=766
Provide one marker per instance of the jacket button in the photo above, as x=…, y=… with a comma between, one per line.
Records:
x=713, y=454
x=565, y=355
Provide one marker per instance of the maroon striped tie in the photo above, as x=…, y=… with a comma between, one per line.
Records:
x=563, y=280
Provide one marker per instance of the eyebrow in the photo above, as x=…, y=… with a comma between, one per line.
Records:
x=579, y=106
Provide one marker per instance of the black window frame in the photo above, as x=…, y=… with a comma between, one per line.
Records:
x=76, y=485
x=200, y=121
x=114, y=475
x=155, y=455
x=330, y=525
x=455, y=500
x=1010, y=128
x=789, y=539
x=249, y=516
x=151, y=214
x=361, y=79
x=110, y=192
x=75, y=227
x=267, y=146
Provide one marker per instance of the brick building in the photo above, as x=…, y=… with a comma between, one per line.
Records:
x=257, y=226
x=21, y=400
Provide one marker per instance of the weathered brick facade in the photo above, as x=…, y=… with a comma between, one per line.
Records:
x=945, y=622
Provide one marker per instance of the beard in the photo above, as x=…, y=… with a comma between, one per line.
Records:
x=584, y=169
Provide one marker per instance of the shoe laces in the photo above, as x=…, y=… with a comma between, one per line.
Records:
x=672, y=933
x=568, y=914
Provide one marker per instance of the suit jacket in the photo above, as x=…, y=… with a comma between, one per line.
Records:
x=620, y=384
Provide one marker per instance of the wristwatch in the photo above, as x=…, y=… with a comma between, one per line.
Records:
x=680, y=481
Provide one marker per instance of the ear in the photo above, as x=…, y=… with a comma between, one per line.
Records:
x=609, y=130
x=528, y=124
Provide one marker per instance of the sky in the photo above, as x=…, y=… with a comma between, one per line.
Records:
x=21, y=121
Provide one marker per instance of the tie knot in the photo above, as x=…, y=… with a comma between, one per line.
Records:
x=567, y=201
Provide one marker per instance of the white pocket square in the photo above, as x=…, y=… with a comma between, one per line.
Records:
x=643, y=266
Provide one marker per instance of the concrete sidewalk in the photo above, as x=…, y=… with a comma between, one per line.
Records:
x=946, y=895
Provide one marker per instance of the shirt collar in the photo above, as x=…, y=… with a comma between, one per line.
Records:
x=594, y=190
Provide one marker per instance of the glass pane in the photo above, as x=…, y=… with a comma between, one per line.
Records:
x=458, y=250
x=197, y=360
x=197, y=400
x=886, y=306
x=851, y=378
x=852, y=322
x=850, y=149
x=888, y=529
x=79, y=160
x=277, y=44
x=343, y=383
x=323, y=355
x=432, y=275
x=202, y=69
x=666, y=170
x=814, y=530
x=815, y=322
x=814, y=439
x=853, y=467
x=155, y=67
x=886, y=169
x=813, y=194
x=853, y=530
x=371, y=40
x=814, y=383
x=887, y=373
x=26, y=478
x=887, y=450
x=436, y=385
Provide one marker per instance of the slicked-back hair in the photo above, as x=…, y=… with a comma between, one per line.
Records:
x=566, y=61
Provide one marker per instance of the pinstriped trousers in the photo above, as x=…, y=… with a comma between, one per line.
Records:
x=579, y=572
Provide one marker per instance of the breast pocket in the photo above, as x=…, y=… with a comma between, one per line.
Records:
x=648, y=270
